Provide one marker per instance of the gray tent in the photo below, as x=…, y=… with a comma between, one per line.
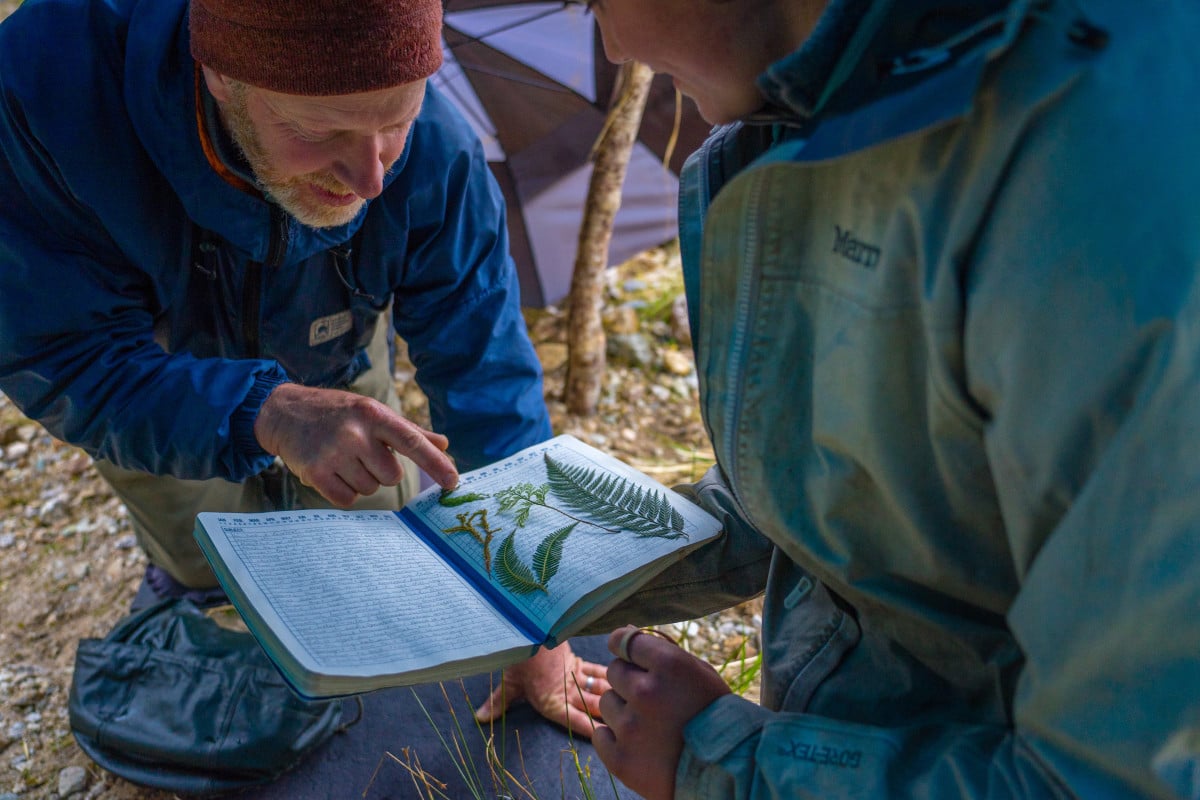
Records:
x=532, y=79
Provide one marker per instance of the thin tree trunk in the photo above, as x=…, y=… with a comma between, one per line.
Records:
x=585, y=332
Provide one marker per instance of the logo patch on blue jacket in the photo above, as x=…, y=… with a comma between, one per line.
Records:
x=325, y=329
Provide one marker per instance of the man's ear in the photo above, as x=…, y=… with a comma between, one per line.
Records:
x=218, y=84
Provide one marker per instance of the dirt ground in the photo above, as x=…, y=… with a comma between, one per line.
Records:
x=69, y=564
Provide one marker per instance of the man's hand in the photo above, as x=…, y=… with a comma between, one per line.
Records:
x=344, y=445
x=654, y=695
x=560, y=686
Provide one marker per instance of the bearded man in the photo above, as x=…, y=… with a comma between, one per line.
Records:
x=214, y=218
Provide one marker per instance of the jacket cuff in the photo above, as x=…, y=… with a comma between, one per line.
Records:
x=241, y=423
x=726, y=731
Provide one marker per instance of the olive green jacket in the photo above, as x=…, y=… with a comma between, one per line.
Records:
x=947, y=328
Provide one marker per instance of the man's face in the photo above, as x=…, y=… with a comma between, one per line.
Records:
x=319, y=158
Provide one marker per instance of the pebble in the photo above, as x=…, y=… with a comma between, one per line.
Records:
x=621, y=320
x=632, y=349
x=553, y=355
x=7, y=540
x=28, y=698
x=16, y=451
x=72, y=781
x=676, y=363
x=680, y=328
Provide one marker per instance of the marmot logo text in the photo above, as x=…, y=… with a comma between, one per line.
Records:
x=856, y=250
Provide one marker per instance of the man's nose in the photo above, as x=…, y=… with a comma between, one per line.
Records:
x=362, y=166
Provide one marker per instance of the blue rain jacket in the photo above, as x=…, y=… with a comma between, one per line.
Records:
x=148, y=305
x=947, y=324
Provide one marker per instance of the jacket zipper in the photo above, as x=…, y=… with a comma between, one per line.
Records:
x=747, y=280
x=252, y=289
x=252, y=307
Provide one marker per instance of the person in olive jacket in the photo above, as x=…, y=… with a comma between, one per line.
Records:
x=941, y=261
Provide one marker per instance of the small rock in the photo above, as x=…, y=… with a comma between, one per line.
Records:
x=676, y=363
x=9, y=796
x=71, y=781
x=621, y=320
x=16, y=451
x=127, y=542
x=632, y=349
x=80, y=571
x=7, y=540
x=78, y=463
x=634, y=285
x=680, y=328
x=553, y=355
x=26, y=699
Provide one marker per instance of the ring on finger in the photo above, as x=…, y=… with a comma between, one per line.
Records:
x=589, y=683
x=623, y=645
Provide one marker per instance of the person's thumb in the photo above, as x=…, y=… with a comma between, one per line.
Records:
x=497, y=702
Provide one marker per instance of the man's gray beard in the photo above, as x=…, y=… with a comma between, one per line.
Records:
x=288, y=194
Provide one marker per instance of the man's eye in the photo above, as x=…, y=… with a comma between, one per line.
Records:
x=308, y=136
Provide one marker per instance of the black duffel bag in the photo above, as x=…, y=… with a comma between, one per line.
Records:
x=172, y=700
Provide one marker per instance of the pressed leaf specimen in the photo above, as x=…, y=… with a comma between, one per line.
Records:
x=595, y=497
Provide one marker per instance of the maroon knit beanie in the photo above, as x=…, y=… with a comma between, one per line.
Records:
x=318, y=47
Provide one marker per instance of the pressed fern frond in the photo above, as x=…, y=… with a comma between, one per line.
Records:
x=512, y=573
x=549, y=553
x=522, y=497
x=614, y=501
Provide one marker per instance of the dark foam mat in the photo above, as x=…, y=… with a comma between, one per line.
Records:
x=410, y=735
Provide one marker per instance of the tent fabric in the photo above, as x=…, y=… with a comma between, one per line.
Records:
x=532, y=80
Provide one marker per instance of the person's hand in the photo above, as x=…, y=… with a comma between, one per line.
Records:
x=655, y=693
x=559, y=685
x=344, y=445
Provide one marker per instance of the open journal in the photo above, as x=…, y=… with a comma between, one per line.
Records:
x=524, y=552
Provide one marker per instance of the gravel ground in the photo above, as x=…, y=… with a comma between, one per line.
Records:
x=69, y=564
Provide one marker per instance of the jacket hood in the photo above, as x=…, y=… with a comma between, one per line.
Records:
x=163, y=92
x=875, y=71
